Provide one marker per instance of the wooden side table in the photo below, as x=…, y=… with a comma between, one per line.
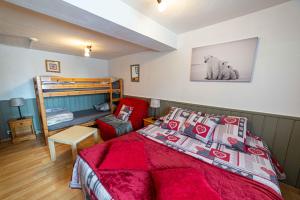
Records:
x=71, y=136
x=149, y=121
x=21, y=129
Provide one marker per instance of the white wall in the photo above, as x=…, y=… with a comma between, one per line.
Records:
x=19, y=65
x=275, y=87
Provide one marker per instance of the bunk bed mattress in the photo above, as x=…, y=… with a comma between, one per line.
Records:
x=58, y=115
x=80, y=117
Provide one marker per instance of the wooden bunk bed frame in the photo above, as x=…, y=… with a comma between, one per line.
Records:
x=72, y=87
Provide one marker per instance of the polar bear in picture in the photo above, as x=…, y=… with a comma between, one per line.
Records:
x=213, y=67
x=219, y=70
x=227, y=72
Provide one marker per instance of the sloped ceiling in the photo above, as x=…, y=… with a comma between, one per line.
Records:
x=18, y=24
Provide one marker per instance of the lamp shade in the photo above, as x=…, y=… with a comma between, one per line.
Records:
x=155, y=103
x=14, y=102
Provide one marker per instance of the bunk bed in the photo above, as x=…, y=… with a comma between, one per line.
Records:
x=55, y=86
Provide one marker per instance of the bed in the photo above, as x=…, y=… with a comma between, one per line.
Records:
x=58, y=115
x=123, y=168
x=55, y=86
x=80, y=117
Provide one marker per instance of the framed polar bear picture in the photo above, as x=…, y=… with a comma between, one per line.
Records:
x=230, y=61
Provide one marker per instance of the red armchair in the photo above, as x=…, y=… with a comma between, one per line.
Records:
x=139, y=112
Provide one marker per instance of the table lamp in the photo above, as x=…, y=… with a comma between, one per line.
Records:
x=155, y=103
x=17, y=102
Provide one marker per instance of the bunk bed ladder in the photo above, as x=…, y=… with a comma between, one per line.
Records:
x=111, y=95
x=41, y=107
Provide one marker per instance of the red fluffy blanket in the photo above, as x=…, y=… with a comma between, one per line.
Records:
x=134, y=167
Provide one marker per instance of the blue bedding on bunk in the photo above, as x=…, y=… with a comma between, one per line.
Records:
x=80, y=117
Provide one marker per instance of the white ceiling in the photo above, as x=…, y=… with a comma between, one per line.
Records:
x=185, y=15
x=18, y=24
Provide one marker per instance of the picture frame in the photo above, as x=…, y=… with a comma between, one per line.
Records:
x=52, y=66
x=135, y=73
x=232, y=61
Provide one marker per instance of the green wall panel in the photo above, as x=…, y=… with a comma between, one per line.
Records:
x=292, y=164
x=71, y=103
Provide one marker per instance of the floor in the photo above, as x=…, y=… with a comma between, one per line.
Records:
x=26, y=172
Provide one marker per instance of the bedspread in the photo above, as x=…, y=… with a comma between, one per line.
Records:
x=257, y=167
x=228, y=181
x=120, y=126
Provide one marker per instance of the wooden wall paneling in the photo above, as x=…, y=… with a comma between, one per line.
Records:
x=210, y=110
x=88, y=102
x=269, y=130
x=249, y=117
x=292, y=158
x=281, y=140
x=72, y=103
x=69, y=101
x=49, y=103
x=76, y=103
x=31, y=110
x=224, y=112
x=236, y=113
x=163, y=107
x=215, y=111
x=55, y=102
x=203, y=109
x=191, y=107
x=93, y=100
x=298, y=182
x=24, y=108
x=257, y=124
x=46, y=103
x=4, y=117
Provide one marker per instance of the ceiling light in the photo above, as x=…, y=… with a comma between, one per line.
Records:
x=76, y=42
x=34, y=39
x=88, y=51
x=162, y=5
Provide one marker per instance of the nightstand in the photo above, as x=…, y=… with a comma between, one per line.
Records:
x=148, y=121
x=21, y=129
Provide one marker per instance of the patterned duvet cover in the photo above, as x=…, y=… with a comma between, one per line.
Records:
x=257, y=167
x=254, y=167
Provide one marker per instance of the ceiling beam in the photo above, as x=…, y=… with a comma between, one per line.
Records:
x=113, y=18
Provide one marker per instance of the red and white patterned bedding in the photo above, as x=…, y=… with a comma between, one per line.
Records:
x=256, y=168
x=255, y=165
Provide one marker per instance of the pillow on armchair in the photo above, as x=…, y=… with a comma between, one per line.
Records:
x=139, y=112
x=125, y=113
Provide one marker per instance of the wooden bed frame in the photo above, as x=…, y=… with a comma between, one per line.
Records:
x=71, y=87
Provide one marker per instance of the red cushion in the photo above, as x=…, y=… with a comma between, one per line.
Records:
x=182, y=183
x=107, y=132
x=139, y=112
x=125, y=155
